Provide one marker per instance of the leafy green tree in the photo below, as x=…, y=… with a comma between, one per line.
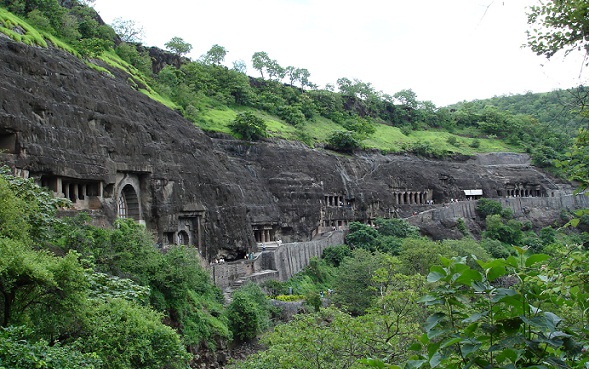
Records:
x=92, y=47
x=249, y=127
x=418, y=255
x=335, y=255
x=125, y=335
x=362, y=236
x=508, y=232
x=407, y=98
x=140, y=60
x=486, y=207
x=355, y=289
x=396, y=227
x=558, y=25
x=303, y=76
x=361, y=126
x=261, y=61
x=240, y=66
x=178, y=46
x=327, y=339
x=248, y=312
x=216, y=55
x=477, y=322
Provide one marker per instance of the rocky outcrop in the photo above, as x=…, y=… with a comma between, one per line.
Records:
x=91, y=137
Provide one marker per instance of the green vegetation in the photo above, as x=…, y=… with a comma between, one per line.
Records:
x=76, y=296
x=73, y=295
x=248, y=127
x=212, y=96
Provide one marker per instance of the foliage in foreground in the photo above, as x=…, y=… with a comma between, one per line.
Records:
x=73, y=295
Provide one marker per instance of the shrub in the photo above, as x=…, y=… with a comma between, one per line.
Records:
x=18, y=351
x=486, y=207
x=248, y=313
x=289, y=298
x=249, y=127
x=334, y=255
x=452, y=140
x=344, y=141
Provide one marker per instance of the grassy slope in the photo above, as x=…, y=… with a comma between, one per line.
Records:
x=386, y=138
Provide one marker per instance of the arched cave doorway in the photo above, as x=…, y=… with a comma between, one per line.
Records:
x=183, y=238
x=128, y=205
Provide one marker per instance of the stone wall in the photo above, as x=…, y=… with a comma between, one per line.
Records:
x=279, y=263
x=290, y=258
x=442, y=222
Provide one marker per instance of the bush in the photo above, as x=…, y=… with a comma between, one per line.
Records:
x=396, y=227
x=496, y=248
x=344, y=141
x=334, y=255
x=248, y=313
x=249, y=127
x=18, y=351
x=126, y=335
x=486, y=207
x=452, y=140
x=140, y=60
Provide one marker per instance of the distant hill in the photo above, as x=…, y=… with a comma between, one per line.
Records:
x=559, y=108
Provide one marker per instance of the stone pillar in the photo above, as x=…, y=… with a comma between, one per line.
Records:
x=59, y=187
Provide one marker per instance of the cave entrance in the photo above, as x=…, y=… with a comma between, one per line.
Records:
x=128, y=204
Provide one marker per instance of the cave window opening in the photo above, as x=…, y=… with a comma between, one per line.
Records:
x=183, y=238
x=8, y=143
x=169, y=238
x=122, y=207
x=128, y=203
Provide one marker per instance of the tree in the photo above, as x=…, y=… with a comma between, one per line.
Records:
x=240, y=66
x=559, y=25
x=128, y=30
x=292, y=74
x=275, y=70
x=261, y=61
x=248, y=312
x=355, y=289
x=248, y=126
x=419, y=254
x=396, y=227
x=303, y=77
x=362, y=236
x=216, y=55
x=407, y=98
x=486, y=207
x=478, y=322
x=178, y=46
x=19, y=351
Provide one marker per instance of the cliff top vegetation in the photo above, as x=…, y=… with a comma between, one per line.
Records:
x=214, y=97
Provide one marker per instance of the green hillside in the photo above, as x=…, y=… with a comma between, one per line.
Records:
x=76, y=296
x=559, y=109
x=290, y=106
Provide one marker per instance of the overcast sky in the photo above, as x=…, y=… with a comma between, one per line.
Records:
x=444, y=50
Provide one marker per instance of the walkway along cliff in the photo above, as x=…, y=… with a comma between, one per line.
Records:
x=114, y=152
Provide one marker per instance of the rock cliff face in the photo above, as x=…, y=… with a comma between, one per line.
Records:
x=112, y=150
